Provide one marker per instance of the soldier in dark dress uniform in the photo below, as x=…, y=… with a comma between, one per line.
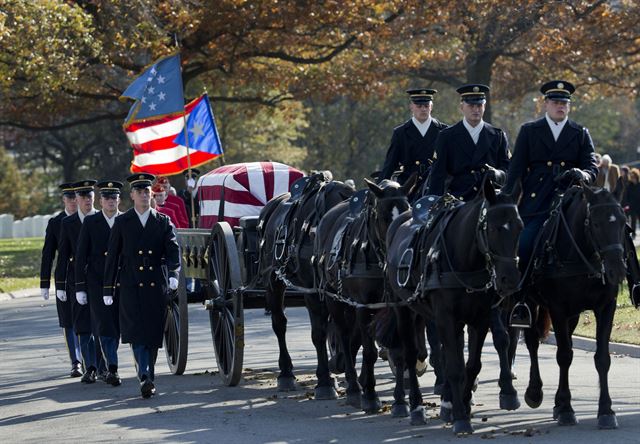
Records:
x=190, y=178
x=51, y=241
x=466, y=153
x=89, y=273
x=142, y=241
x=413, y=143
x=469, y=150
x=65, y=275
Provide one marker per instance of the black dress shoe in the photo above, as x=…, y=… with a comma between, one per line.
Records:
x=147, y=388
x=113, y=379
x=76, y=370
x=89, y=377
x=102, y=376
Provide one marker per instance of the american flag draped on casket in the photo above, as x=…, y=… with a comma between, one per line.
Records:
x=232, y=191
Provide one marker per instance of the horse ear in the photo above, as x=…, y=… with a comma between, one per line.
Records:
x=516, y=191
x=375, y=189
x=410, y=184
x=488, y=191
x=619, y=190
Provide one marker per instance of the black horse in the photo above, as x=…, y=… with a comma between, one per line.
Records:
x=581, y=267
x=286, y=236
x=351, y=253
x=465, y=263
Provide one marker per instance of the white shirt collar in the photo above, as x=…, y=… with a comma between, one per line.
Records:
x=67, y=213
x=474, y=131
x=110, y=220
x=422, y=127
x=81, y=215
x=144, y=216
x=556, y=127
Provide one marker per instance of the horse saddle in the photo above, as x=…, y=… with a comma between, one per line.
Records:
x=298, y=187
x=336, y=251
x=357, y=202
x=420, y=210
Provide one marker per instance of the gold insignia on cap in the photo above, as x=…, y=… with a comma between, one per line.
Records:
x=110, y=184
x=86, y=184
x=476, y=89
x=560, y=85
x=423, y=92
x=141, y=176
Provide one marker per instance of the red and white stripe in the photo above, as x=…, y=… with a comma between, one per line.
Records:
x=247, y=188
x=154, y=150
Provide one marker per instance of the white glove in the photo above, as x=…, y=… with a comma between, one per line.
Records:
x=62, y=295
x=173, y=283
x=45, y=293
x=108, y=300
x=81, y=297
x=191, y=183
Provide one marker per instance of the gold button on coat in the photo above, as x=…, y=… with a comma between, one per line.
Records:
x=150, y=268
x=561, y=163
x=140, y=252
x=141, y=268
x=141, y=284
x=153, y=284
x=150, y=252
x=533, y=194
x=105, y=253
x=549, y=163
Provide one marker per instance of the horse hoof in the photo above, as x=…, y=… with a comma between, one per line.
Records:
x=564, y=418
x=608, y=422
x=353, y=399
x=370, y=406
x=399, y=410
x=446, y=414
x=509, y=402
x=533, y=398
x=418, y=417
x=286, y=383
x=325, y=393
x=421, y=368
x=437, y=389
x=462, y=427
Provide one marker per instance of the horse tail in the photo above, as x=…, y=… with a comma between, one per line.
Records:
x=384, y=327
x=543, y=323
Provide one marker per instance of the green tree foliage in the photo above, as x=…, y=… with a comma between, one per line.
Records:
x=13, y=187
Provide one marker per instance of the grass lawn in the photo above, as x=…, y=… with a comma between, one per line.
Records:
x=20, y=263
x=626, y=323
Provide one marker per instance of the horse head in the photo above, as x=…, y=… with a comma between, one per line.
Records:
x=498, y=230
x=390, y=201
x=604, y=227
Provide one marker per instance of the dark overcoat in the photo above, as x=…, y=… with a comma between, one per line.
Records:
x=141, y=252
x=538, y=159
x=65, y=272
x=49, y=249
x=410, y=150
x=89, y=273
x=461, y=163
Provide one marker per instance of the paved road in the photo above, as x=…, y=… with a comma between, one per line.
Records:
x=38, y=402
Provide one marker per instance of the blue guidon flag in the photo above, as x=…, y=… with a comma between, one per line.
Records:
x=201, y=131
x=157, y=91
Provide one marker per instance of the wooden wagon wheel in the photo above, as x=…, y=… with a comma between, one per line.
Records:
x=176, y=328
x=226, y=314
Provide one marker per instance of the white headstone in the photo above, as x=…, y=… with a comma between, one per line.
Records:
x=18, y=229
x=39, y=225
x=6, y=226
x=27, y=224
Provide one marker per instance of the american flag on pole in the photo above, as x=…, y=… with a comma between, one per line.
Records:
x=155, y=149
x=232, y=191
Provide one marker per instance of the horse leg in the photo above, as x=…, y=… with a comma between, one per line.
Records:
x=370, y=401
x=477, y=336
x=275, y=303
x=514, y=336
x=533, y=395
x=420, y=338
x=508, y=394
x=319, y=318
x=436, y=359
x=452, y=336
x=563, y=411
x=344, y=333
x=604, y=322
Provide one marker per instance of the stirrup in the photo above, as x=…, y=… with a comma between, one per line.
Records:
x=520, y=316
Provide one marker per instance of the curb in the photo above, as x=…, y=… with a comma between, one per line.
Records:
x=26, y=293
x=588, y=344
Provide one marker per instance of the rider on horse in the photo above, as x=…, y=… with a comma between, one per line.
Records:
x=549, y=154
x=413, y=142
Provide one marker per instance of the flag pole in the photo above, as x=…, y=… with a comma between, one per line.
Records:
x=186, y=143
